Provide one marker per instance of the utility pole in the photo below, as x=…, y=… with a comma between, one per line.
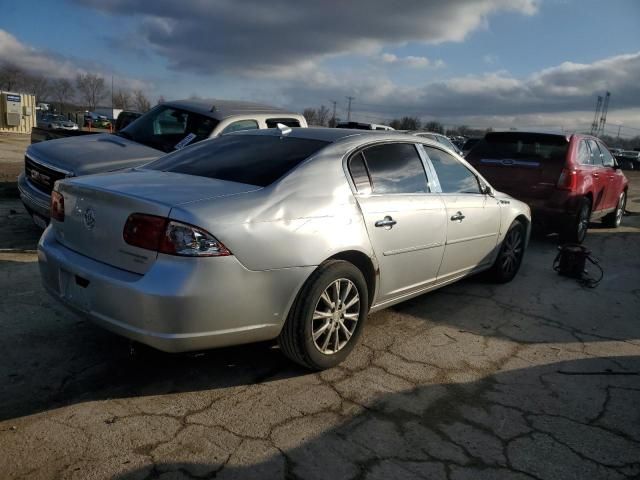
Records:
x=333, y=119
x=111, y=94
x=618, y=137
x=349, y=109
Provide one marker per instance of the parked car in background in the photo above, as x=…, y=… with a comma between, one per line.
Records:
x=628, y=159
x=567, y=180
x=165, y=128
x=53, y=121
x=125, y=118
x=440, y=138
x=469, y=144
x=295, y=234
x=363, y=126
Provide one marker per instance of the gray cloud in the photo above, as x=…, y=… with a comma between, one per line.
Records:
x=257, y=36
x=55, y=65
x=568, y=87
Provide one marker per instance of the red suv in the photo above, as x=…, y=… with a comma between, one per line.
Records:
x=567, y=180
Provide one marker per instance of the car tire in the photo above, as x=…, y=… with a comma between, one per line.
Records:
x=576, y=230
x=302, y=337
x=614, y=219
x=507, y=263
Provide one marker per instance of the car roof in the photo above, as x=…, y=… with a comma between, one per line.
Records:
x=220, y=109
x=330, y=135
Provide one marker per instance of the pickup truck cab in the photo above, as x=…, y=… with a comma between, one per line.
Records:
x=165, y=128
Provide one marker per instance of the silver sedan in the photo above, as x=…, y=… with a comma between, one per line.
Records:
x=288, y=234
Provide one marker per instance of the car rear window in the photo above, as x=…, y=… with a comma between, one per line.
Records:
x=251, y=159
x=542, y=148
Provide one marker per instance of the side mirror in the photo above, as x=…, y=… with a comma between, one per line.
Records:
x=486, y=189
x=615, y=166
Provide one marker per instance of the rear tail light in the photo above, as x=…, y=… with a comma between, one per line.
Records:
x=171, y=237
x=57, y=206
x=568, y=180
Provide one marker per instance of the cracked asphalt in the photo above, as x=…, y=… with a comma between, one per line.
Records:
x=539, y=378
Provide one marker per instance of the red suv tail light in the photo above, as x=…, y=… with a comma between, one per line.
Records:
x=57, y=206
x=171, y=237
x=568, y=180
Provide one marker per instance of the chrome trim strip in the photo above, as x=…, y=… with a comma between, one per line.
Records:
x=37, y=202
x=468, y=239
x=30, y=156
x=412, y=249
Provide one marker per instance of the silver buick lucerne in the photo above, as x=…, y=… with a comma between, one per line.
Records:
x=295, y=234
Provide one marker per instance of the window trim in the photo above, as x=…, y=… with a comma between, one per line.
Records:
x=477, y=176
x=347, y=158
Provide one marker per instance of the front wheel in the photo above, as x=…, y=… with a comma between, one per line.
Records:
x=511, y=253
x=614, y=219
x=327, y=317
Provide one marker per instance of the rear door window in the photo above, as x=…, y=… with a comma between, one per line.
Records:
x=596, y=154
x=453, y=175
x=359, y=174
x=584, y=153
x=395, y=168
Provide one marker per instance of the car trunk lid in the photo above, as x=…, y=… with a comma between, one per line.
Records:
x=98, y=206
x=523, y=165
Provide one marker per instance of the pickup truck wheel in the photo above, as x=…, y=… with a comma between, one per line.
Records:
x=510, y=256
x=327, y=318
x=576, y=230
x=614, y=219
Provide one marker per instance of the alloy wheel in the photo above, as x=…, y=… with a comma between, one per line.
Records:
x=512, y=250
x=335, y=316
x=620, y=208
x=583, y=222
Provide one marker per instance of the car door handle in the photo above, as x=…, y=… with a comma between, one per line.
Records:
x=595, y=175
x=386, y=222
x=458, y=217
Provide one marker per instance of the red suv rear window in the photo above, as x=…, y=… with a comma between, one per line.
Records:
x=520, y=147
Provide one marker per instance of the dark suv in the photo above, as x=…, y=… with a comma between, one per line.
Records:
x=567, y=180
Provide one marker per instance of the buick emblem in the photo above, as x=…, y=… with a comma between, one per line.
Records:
x=89, y=218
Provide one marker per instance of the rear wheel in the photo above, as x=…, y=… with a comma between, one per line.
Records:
x=614, y=219
x=577, y=228
x=510, y=256
x=327, y=317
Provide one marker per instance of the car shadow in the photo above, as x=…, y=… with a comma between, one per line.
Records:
x=558, y=420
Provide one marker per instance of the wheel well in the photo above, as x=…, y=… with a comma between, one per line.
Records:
x=364, y=264
x=523, y=219
x=589, y=195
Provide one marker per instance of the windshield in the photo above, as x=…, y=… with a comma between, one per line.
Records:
x=251, y=159
x=168, y=128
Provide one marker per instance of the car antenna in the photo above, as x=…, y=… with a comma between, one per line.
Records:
x=284, y=129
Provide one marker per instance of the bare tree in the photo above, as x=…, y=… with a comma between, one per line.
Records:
x=38, y=85
x=141, y=101
x=91, y=88
x=310, y=115
x=122, y=99
x=160, y=100
x=62, y=91
x=433, y=126
x=11, y=76
x=323, y=114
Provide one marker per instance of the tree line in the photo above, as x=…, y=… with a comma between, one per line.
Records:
x=87, y=90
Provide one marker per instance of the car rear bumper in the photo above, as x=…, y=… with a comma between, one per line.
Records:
x=180, y=304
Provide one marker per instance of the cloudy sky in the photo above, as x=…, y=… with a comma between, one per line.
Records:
x=474, y=62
